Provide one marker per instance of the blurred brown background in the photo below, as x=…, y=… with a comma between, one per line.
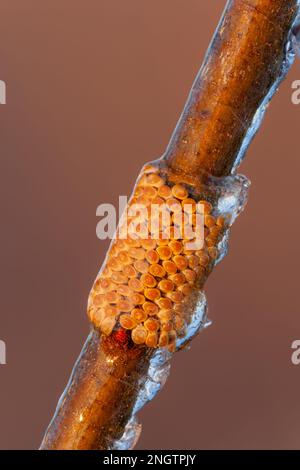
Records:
x=94, y=90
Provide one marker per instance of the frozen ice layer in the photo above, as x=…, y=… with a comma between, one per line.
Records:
x=130, y=437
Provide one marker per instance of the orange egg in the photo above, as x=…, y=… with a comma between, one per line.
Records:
x=137, y=253
x=152, y=257
x=175, y=296
x=193, y=261
x=173, y=205
x=170, y=267
x=186, y=289
x=124, y=290
x=165, y=315
x=139, y=334
x=111, y=311
x=136, y=285
x=152, y=294
x=107, y=325
x=178, y=279
x=152, y=339
x=148, y=280
x=163, y=339
x=150, y=308
x=124, y=305
x=221, y=221
x=179, y=191
x=164, y=303
x=137, y=299
x=127, y=321
x=99, y=300
x=150, y=192
x=213, y=252
x=123, y=258
x=106, y=284
x=129, y=271
x=181, y=262
x=114, y=264
x=151, y=324
x=204, y=207
x=119, y=278
x=111, y=297
x=166, y=285
x=190, y=275
x=176, y=247
x=203, y=258
x=157, y=270
x=209, y=221
x=164, y=191
x=164, y=252
x=148, y=244
x=141, y=266
x=155, y=180
x=189, y=205
x=139, y=315
x=179, y=322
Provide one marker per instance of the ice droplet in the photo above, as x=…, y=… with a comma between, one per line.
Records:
x=157, y=375
x=130, y=437
x=198, y=322
x=232, y=195
x=296, y=35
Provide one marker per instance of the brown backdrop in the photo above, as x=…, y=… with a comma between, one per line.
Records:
x=94, y=90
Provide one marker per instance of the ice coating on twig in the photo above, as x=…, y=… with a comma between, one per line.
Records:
x=292, y=45
x=130, y=437
x=296, y=34
x=150, y=385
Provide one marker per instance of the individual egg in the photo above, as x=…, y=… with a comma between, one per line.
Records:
x=150, y=308
x=164, y=252
x=152, y=324
x=179, y=191
x=181, y=262
x=139, y=334
x=152, y=294
x=152, y=339
x=170, y=267
x=107, y=325
x=127, y=321
x=148, y=280
x=136, y=285
x=166, y=285
x=157, y=270
x=139, y=315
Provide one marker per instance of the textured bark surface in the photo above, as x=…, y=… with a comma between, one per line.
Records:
x=242, y=65
x=98, y=401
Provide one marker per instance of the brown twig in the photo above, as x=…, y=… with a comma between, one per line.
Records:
x=239, y=73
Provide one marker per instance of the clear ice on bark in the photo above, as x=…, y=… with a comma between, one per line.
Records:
x=157, y=375
x=291, y=46
x=296, y=34
x=232, y=195
x=130, y=437
x=198, y=322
